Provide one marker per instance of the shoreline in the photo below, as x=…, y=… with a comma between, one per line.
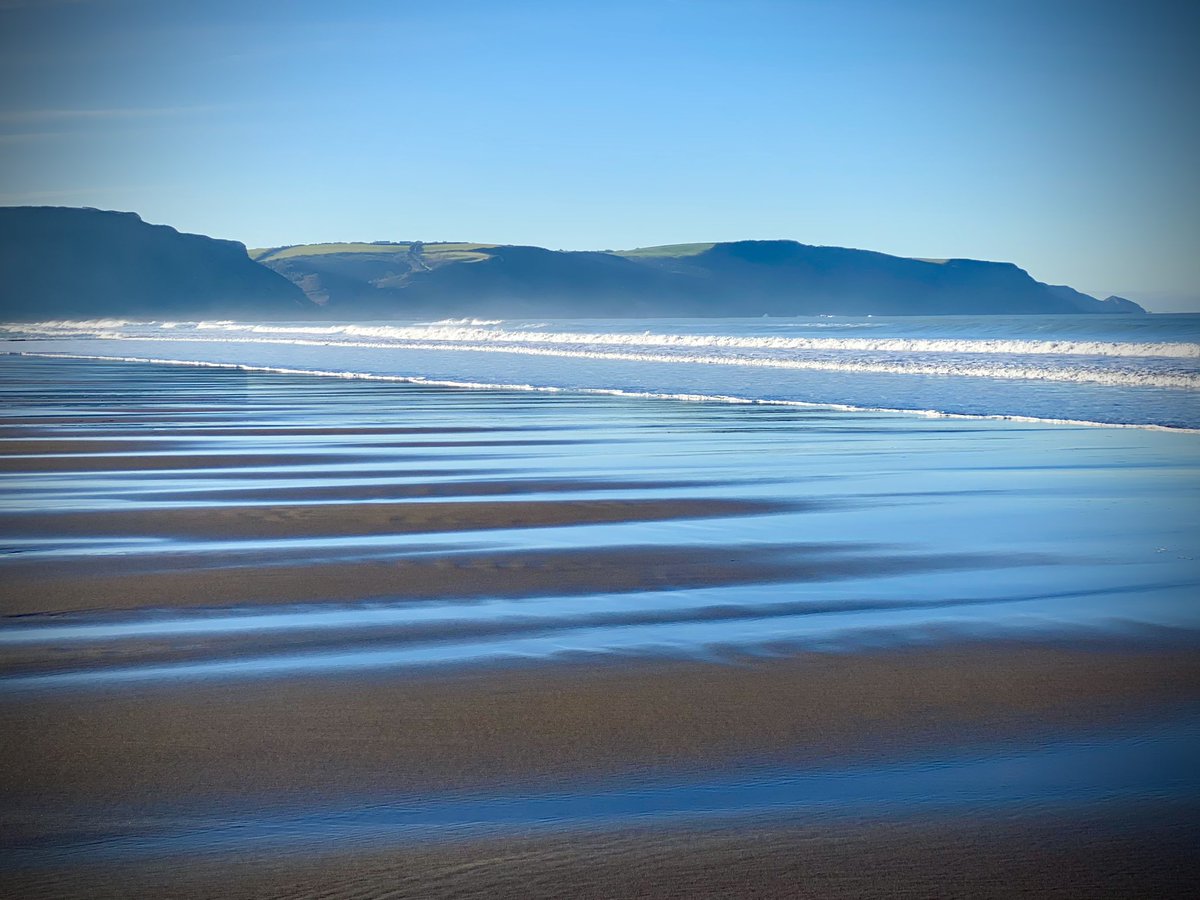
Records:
x=420, y=380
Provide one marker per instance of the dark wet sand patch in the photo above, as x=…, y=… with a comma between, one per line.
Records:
x=1116, y=851
x=358, y=430
x=24, y=448
x=62, y=427
x=120, y=416
x=398, y=490
x=318, y=468
x=32, y=587
x=328, y=737
x=149, y=582
x=81, y=462
x=362, y=519
x=85, y=445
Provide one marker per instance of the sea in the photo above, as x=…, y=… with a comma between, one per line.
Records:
x=1141, y=371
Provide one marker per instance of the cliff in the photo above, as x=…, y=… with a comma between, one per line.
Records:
x=744, y=278
x=59, y=262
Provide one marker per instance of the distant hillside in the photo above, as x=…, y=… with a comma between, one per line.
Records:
x=59, y=262
x=744, y=278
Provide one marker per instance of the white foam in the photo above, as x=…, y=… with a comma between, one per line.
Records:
x=67, y=325
x=460, y=331
x=476, y=322
x=1091, y=370
x=483, y=331
x=611, y=392
x=967, y=367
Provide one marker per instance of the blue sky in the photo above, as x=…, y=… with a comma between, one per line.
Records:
x=1059, y=135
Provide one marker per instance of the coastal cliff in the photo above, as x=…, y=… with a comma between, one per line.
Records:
x=59, y=262
x=743, y=278
x=64, y=262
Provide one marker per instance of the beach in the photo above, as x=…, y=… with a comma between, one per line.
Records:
x=599, y=451
x=271, y=634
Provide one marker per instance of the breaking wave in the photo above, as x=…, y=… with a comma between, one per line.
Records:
x=470, y=331
x=1056, y=371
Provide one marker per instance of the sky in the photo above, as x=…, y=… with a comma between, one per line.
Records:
x=1061, y=135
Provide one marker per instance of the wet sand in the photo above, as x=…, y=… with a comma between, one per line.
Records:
x=264, y=522
x=177, y=581
x=296, y=738
x=593, y=541
x=1116, y=852
x=73, y=761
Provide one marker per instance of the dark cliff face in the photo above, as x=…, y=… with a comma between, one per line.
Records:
x=789, y=278
x=1117, y=304
x=58, y=262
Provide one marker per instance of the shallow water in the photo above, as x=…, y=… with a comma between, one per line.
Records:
x=872, y=527
x=858, y=530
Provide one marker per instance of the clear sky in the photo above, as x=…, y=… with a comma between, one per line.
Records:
x=1063, y=135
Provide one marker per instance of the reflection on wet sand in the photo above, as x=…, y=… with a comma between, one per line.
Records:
x=250, y=616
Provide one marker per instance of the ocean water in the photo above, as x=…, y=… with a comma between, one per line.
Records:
x=1112, y=370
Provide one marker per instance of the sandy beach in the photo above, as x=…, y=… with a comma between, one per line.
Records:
x=392, y=651
x=329, y=737
x=1115, y=853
